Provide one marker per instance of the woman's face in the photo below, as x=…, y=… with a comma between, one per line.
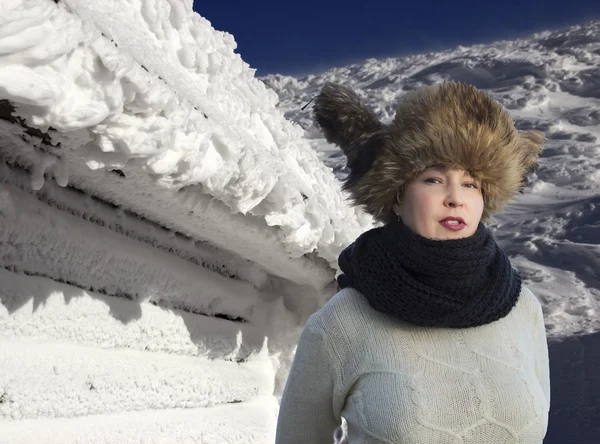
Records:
x=439, y=193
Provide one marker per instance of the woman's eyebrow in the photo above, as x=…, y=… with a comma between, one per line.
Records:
x=440, y=168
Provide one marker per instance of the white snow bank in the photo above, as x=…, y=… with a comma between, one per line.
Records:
x=42, y=241
x=152, y=86
x=38, y=308
x=254, y=248
x=145, y=284
x=162, y=243
x=52, y=380
x=233, y=424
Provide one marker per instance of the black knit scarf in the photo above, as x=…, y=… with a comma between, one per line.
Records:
x=444, y=283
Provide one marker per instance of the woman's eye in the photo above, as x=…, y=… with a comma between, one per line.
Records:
x=438, y=180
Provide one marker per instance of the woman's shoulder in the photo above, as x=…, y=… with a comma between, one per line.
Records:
x=342, y=304
x=347, y=307
x=527, y=317
x=529, y=302
x=346, y=297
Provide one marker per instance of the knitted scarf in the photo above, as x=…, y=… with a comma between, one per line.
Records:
x=463, y=282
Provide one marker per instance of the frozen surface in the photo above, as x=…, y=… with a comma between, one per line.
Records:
x=231, y=423
x=164, y=230
x=68, y=381
x=167, y=91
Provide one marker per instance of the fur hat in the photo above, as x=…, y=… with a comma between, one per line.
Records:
x=450, y=124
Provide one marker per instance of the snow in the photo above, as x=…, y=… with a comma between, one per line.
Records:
x=179, y=120
x=66, y=247
x=38, y=307
x=67, y=381
x=165, y=231
x=231, y=423
x=168, y=221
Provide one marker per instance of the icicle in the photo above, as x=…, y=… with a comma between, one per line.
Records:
x=39, y=169
x=61, y=173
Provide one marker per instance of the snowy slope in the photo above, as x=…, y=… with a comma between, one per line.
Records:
x=164, y=230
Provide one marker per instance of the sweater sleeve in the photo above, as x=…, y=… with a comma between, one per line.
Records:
x=306, y=410
x=542, y=364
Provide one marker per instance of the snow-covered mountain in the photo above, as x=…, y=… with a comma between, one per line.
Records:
x=165, y=229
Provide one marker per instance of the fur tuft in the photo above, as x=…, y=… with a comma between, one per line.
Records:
x=448, y=124
x=532, y=142
x=345, y=121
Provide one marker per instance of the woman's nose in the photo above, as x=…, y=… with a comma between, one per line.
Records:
x=454, y=196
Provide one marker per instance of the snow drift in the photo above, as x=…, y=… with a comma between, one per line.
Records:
x=164, y=230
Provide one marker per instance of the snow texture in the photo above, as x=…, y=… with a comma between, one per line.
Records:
x=234, y=424
x=166, y=95
x=164, y=230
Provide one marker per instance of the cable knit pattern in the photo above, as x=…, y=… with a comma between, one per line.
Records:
x=396, y=383
x=462, y=282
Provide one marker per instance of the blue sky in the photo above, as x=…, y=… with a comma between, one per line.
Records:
x=300, y=37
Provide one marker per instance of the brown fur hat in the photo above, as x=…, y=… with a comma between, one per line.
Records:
x=450, y=124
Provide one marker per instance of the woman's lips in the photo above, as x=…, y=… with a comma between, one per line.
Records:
x=454, y=227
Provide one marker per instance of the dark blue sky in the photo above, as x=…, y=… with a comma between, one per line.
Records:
x=300, y=37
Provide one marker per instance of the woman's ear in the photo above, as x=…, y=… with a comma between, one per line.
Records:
x=398, y=198
x=397, y=202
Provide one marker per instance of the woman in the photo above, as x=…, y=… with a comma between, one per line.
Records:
x=432, y=338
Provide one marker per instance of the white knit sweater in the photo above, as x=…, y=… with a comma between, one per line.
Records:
x=397, y=383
